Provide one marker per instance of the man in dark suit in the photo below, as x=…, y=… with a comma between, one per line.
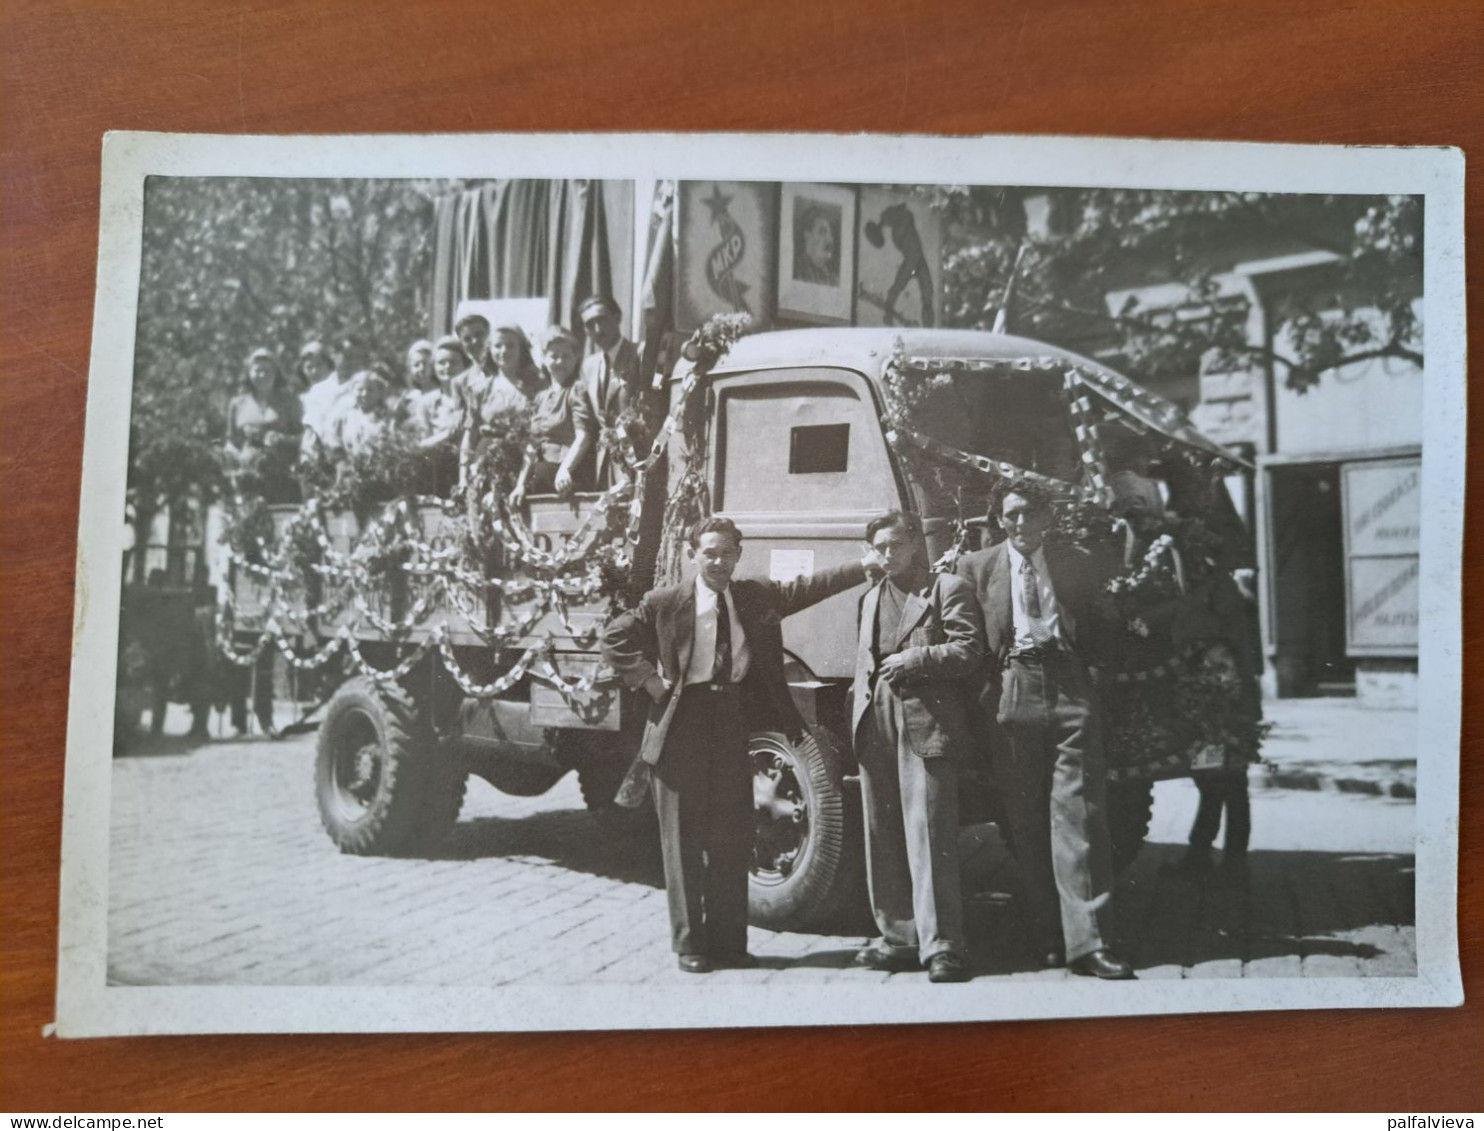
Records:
x=612, y=383
x=708, y=654
x=1047, y=622
x=919, y=639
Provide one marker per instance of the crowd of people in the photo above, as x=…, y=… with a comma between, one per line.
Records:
x=452, y=397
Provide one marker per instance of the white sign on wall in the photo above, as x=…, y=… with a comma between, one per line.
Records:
x=1383, y=521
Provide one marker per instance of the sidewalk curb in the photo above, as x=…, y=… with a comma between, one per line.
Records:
x=1388, y=779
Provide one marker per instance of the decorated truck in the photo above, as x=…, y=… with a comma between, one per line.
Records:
x=464, y=631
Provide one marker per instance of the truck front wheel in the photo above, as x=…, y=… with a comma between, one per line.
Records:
x=806, y=859
x=383, y=786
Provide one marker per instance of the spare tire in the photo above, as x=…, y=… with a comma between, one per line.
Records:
x=807, y=857
x=383, y=785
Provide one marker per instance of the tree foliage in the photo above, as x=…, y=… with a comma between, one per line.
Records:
x=233, y=264
x=1067, y=249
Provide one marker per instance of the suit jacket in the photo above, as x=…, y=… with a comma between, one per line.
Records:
x=658, y=636
x=1087, y=615
x=597, y=408
x=941, y=641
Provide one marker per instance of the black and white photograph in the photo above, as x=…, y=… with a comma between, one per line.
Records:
x=928, y=580
x=817, y=250
x=899, y=259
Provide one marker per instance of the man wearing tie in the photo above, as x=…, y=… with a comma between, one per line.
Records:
x=612, y=382
x=1047, y=621
x=708, y=654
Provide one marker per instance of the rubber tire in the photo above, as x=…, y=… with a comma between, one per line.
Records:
x=600, y=772
x=419, y=788
x=828, y=878
x=1130, y=806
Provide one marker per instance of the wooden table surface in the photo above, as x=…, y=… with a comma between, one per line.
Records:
x=1338, y=71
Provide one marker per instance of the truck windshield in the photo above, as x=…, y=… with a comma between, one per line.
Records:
x=1021, y=418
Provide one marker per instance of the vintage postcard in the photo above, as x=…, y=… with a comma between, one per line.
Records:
x=624, y=581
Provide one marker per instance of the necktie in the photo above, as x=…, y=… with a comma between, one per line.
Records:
x=1031, y=592
x=721, y=669
x=603, y=385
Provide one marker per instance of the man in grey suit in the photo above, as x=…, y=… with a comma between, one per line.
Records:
x=612, y=384
x=1047, y=622
x=919, y=640
x=708, y=655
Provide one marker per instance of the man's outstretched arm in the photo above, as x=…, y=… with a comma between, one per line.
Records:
x=794, y=596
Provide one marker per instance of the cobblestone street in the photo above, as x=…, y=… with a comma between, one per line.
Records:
x=221, y=875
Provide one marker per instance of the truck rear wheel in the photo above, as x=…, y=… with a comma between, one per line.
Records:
x=806, y=860
x=383, y=785
x=600, y=772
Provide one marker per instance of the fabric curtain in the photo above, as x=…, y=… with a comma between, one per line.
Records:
x=516, y=233
x=580, y=265
x=521, y=239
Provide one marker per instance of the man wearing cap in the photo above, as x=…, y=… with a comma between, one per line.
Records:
x=1047, y=625
x=612, y=383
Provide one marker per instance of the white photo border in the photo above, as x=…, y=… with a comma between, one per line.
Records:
x=87, y=1006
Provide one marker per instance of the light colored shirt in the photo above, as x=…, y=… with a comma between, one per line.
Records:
x=486, y=400
x=358, y=431
x=323, y=402
x=433, y=411
x=1050, y=619
x=703, y=649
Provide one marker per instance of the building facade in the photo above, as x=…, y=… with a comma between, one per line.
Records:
x=1334, y=503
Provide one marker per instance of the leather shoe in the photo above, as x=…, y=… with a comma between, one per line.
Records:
x=877, y=957
x=1103, y=964
x=695, y=964
x=948, y=968
x=738, y=961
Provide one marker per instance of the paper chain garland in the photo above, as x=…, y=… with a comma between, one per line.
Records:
x=1149, y=408
x=1076, y=380
x=432, y=566
x=458, y=585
